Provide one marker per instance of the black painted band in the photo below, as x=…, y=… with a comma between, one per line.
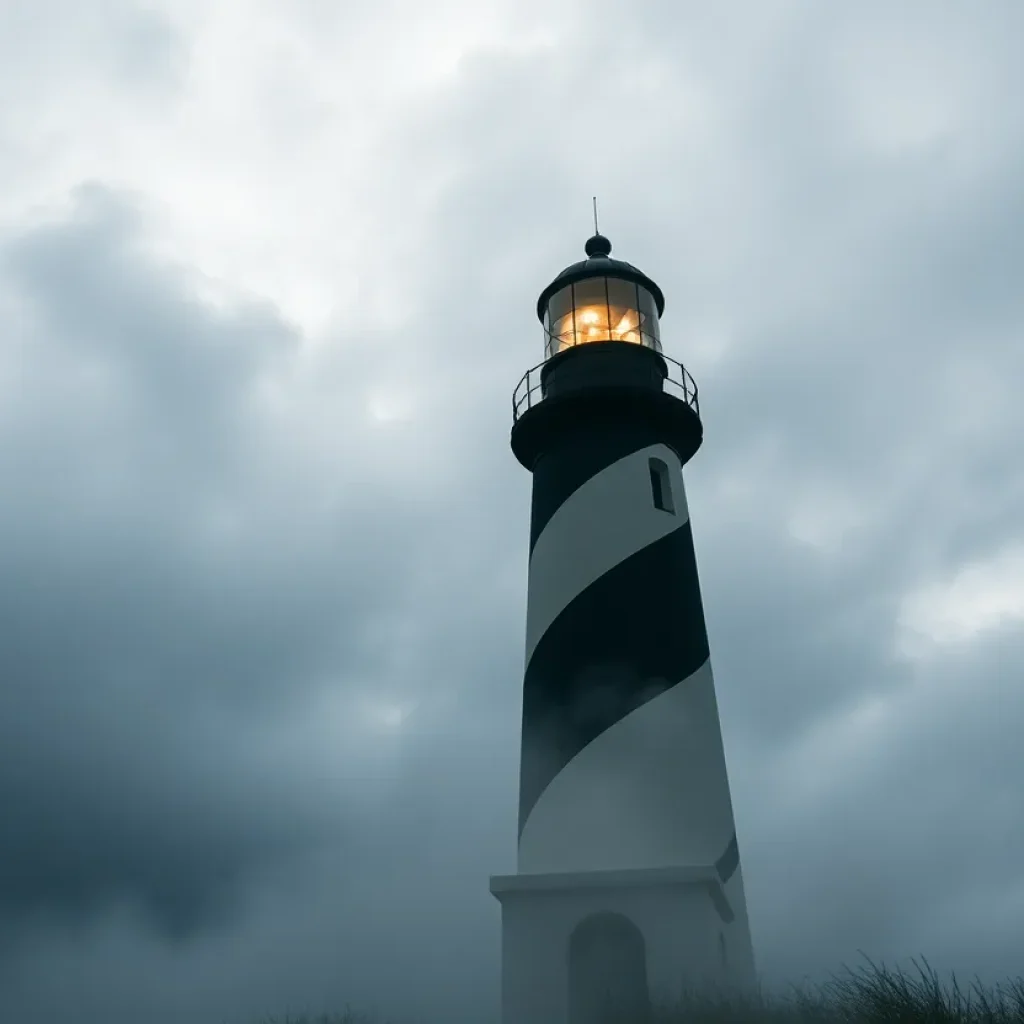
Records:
x=727, y=864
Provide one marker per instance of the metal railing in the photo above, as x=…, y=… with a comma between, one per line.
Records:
x=529, y=391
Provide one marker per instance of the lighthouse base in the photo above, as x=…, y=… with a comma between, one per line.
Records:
x=578, y=945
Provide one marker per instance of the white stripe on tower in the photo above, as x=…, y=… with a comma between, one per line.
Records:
x=623, y=765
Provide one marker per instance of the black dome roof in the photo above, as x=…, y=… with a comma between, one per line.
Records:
x=599, y=264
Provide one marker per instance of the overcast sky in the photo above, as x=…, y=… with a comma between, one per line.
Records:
x=267, y=281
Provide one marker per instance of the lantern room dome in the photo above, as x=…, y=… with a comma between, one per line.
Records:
x=599, y=263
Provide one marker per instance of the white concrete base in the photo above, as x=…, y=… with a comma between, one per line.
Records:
x=682, y=914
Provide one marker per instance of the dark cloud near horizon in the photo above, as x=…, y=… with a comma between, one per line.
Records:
x=211, y=557
x=133, y=618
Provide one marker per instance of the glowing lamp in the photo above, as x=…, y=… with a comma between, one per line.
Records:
x=600, y=299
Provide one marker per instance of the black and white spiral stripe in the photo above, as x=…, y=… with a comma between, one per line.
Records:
x=622, y=758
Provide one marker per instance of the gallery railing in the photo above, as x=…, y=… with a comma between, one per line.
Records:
x=529, y=392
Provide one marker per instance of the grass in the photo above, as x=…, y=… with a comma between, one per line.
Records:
x=872, y=995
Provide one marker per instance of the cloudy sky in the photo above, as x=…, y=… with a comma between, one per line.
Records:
x=267, y=278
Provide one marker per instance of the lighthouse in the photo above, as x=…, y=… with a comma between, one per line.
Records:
x=628, y=888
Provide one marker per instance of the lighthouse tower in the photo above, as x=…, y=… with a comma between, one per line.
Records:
x=629, y=886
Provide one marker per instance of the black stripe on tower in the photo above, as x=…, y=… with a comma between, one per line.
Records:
x=727, y=864
x=632, y=634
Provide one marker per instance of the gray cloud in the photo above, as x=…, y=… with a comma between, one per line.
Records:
x=115, y=44
x=150, y=588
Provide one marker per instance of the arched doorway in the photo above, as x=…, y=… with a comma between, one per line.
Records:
x=607, y=971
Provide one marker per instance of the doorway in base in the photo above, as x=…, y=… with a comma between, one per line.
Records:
x=607, y=960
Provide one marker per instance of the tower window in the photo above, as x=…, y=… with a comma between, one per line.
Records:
x=661, y=486
x=723, y=954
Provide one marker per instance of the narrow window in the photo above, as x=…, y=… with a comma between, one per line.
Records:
x=722, y=954
x=661, y=486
